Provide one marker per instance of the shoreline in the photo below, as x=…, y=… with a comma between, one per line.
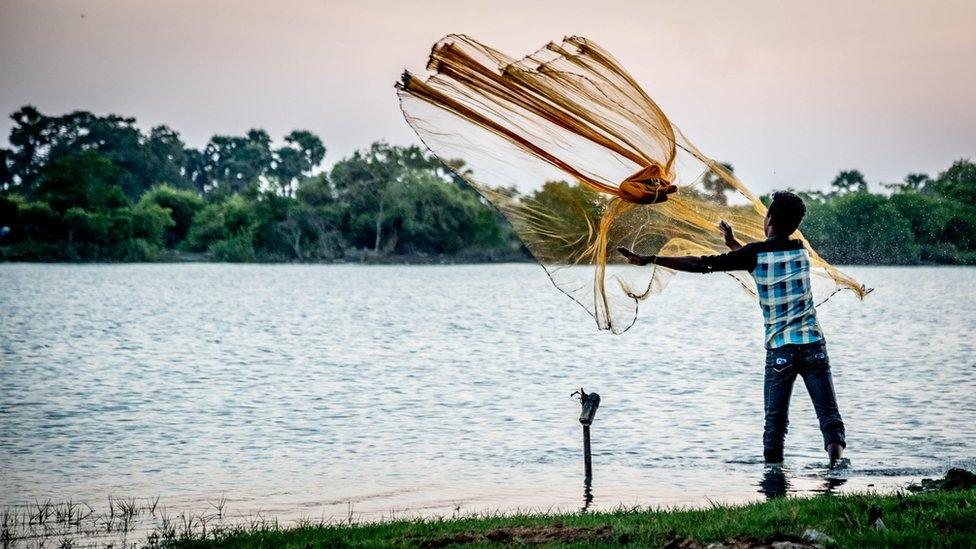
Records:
x=936, y=515
x=939, y=512
x=357, y=258
x=419, y=259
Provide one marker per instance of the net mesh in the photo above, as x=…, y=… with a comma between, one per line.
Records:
x=581, y=160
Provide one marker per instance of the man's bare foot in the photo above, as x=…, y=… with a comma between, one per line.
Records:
x=834, y=451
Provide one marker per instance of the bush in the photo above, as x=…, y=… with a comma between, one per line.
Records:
x=236, y=249
x=233, y=217
x=182, y=205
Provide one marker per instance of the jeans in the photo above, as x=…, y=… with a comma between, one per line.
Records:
x=783, y=364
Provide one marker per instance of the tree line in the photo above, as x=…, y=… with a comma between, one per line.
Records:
x=82, y=187
x=918, y=220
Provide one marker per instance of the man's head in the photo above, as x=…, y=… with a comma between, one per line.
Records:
x=784, y=214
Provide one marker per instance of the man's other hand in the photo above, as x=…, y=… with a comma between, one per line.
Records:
x=728, y=235
x=726, y=229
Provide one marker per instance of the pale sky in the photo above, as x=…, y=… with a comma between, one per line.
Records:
x=788, y=92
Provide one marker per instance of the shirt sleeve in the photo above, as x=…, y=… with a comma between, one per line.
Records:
x=743, y=259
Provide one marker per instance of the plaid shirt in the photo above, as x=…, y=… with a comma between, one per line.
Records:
x=781, y=269
x=783, y=284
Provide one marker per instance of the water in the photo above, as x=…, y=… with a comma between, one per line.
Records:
x=325, y=391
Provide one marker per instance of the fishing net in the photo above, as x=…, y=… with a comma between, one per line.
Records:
x=581, y=160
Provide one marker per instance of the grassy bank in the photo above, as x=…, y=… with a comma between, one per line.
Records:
x=937, y=518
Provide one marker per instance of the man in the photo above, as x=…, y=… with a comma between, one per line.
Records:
x=795, y=344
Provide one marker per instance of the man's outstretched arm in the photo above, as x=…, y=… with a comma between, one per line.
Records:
x=686, y=263
x=738, y=260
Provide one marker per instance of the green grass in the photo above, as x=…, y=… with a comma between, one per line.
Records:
x=940, y=518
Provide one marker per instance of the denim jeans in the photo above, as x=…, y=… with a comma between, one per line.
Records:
x=783, y=364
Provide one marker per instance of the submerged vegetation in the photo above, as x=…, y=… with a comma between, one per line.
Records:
x=82, y=187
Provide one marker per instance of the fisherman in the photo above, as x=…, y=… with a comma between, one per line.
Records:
x=795, y=344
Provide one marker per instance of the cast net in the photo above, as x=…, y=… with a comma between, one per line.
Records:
x=581, y=160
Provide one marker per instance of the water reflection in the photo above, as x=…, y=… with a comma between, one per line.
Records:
x=774, y=483
x=587, y=494
x=832, y=483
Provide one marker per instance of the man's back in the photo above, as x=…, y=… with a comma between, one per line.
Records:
x=782, y=275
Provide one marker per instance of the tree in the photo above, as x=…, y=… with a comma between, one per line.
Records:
x=227, y=226
x=288, y=167
x=234, y=164
x=310, y=146
x=316, y=191
x=849, y=181
x=197, y=171
x=913, y=182
x=399, y=199
x=312, y=233
x=958, y=182
x=916, y=181
x=427, y=214
x=930, y=217
x=301, y=153
x=86, y=180
x=39, y=140
x=35, y=229
x=820, y=226
x=6, y=169
x=150, y=223
x=362, y=182
x=867, y=229
x=27, y=138
x=716, y=186
x=166, y=159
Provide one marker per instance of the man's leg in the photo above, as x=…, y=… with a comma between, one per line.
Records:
x=820, y=386
x=777, y=388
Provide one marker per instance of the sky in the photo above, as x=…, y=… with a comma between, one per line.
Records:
x=788, y=92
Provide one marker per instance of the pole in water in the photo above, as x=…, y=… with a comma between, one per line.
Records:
x=590, y=402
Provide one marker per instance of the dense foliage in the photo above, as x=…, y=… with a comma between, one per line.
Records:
x=90, y=188
x=81, y=187
x=921, y=220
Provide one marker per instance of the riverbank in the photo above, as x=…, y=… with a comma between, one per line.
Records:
x=941, y=515
x=935, y=512
x=367, y=257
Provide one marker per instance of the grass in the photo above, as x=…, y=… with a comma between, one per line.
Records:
x=931, y=519
x=38, y=521
x=122, y=523
x=942, y=513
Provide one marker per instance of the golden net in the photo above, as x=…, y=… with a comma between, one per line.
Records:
x=581, y=160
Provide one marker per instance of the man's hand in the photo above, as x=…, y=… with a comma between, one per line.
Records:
x=726, y=229
x=635, y=258
x=728, y=235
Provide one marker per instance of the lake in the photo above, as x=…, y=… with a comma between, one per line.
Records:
x=331, y=391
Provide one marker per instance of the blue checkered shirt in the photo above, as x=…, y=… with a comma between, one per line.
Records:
x=783, y=285
x=781, y=269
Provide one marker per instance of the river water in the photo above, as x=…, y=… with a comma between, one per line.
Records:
x=378, y=391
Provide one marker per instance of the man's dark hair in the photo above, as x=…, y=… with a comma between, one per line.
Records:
x=785, y=212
